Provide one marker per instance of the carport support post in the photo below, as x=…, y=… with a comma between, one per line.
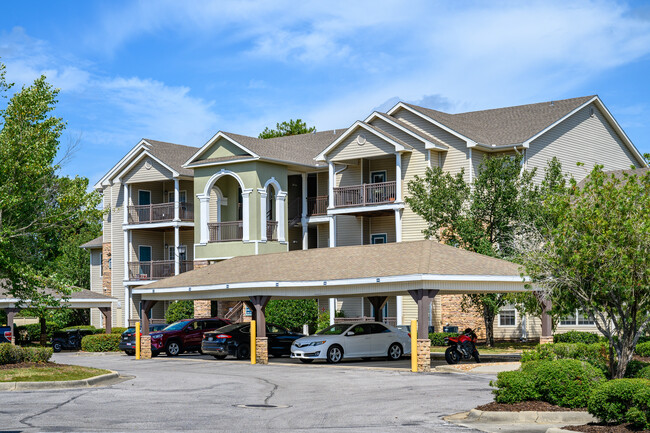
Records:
x=378, y=303
x=11, y=313
x=261, y=342
x=547, y=328
x=423, y=298
x=145, y=339
x=108, y=318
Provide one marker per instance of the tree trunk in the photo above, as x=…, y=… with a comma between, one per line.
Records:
x=43, y=331
x=488, y=317
x=624, y=353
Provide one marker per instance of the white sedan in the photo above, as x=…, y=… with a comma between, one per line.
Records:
x=352, y=340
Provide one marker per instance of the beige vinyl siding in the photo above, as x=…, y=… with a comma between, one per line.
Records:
x=214, y=209
x=157, y=190
x=351, y=307
x=580, y=138
x=350, y=176
x=382, y=164
x=382, y=224
x=322, y=183
x=323, y=231
x=221, y=148
x=348, y=230
x=367, y=221
x=117, y=251
x=350, y=149
x=140, y=173
x=410, y=311
x=413, y=163
x=153, y=239
x=108, y=216
x=477, y=159
x=187, y=239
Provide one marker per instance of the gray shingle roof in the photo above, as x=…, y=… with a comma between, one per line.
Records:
x=95, y=243
x=78, y=294
x=174, y=155
x=504, y=126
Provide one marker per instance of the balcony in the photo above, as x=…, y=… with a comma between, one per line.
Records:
x=155, y=270
x=365, y=195
x=317, y=205
x=271, y=230
x=160, y=212
x=226, y=231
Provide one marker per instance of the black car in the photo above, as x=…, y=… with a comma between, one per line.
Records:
x=127, y=341
x=234, y=340
x=69, y=339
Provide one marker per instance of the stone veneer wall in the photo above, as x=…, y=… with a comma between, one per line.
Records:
x=106, y=269
x=453, y=314
x=202, y=308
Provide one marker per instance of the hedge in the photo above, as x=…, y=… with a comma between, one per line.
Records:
x=101, y=343
x=564, y=382
x=32, y=332
x=10, y=354
x=643, y=349
x=179, y=310
x=622, y=400
x=596, y=354
x=576, y=337
x=118, y=330
x=84, y=328
x=644, y=373
x=438, y=338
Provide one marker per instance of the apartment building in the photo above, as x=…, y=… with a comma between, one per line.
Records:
x=173, y=208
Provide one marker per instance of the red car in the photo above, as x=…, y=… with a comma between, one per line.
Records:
x=183, y=336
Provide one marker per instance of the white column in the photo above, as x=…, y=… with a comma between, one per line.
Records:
x=245, y=194
x=400, y=309
x=471, y=168
x=205, y=216
x=127, y=306
x=125, y=188
x=398, y=177
x=262, y=193
x=177, y=195
x=332, y=231
x=280, y=200
x=332, y=310
x=332, y=180
x=177, y=257
x=126, y=232
x=398, y=225
x=303, y=219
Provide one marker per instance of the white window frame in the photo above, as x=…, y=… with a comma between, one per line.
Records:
x=384, y=172
x=514, y=325
x=378, y=235
x=576, y=316
x=170, y=196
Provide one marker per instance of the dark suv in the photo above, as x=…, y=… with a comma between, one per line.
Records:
x=127, y=342
x=183, y=336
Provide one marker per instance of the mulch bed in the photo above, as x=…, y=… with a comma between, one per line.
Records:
x=604, y=428
x=538, y=406
x=30, y=364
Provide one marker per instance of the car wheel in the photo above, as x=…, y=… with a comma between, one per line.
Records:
x=394, y=352
x=57, y=347
x=130, y=352
x=219, y=356
x=173, y=348
x=334, y=354
x=200, y=351
x=451, y=356
x=306, y=361
x=243, y=352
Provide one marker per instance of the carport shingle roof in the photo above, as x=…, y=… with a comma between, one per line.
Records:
x=78, y=294
x=95, y=243
x=367, y=261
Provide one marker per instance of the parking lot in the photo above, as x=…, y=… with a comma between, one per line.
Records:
x=194, y=392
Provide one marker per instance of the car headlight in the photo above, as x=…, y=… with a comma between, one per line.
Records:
x=317, y=343
x=157, y=336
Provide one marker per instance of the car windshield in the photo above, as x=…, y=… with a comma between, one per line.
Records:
x=229, y=328
x=129, y=330
x=336, y=329
x=176, y=326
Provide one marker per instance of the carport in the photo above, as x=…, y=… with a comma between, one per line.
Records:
x=421, y=269
x=81, y=298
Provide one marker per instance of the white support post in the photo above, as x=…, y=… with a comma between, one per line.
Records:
x=398, y=225
x=471, y=168
x=332, y=231
x=303, y=218
x=262, y=193
x=177, y=195
x=126, y=233
x=127, y=306
x=205, y=216
x=177, y=257
x=125, y=188
x=398, y=177
x=332, y=310
x=245, y=195
x=280, y=200
x=332, y=180
x=400, y=309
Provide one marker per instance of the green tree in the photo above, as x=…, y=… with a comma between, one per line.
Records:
x=292, y=314
x=38, y=208
x=595, y=256
x=292, y=127
x=179, y=310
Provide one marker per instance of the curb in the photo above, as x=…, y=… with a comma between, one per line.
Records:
x=558, y=430
x=59, y=384
x=531, y=417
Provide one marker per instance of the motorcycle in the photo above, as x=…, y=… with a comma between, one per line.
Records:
x=462, y=347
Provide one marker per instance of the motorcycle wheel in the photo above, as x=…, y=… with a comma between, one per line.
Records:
x=56, y=347
x=476, y=357
x=452, y=356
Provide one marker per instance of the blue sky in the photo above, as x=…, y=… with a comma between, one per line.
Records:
x=180, y=71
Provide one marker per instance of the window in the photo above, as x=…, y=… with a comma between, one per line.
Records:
x=376, y=328
x=144, y=197
x=377, y=176
x=182, y=196
x=577, y=319
x=508, y=317
x=361, y=330
x=144, y=253
x=378, y=238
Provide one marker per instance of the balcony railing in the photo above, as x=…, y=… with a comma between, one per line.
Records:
x=364, y=195
x=160, y=212
x=226, y=231
x=271, y=230
x=317, y=205
x=155, y=270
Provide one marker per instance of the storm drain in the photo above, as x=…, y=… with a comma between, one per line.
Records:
x=262, y=406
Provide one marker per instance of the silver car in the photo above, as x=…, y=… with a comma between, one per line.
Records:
x=353, y=340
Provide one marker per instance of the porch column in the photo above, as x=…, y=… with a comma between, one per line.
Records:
x=330, y=185
x=303, y=219
x=145, y=340
x=108, y=318
x=378, y=303
x=177, y=257
x=400, y=309
x=261, y=344
x=262, y=193
x=423, y=298
x=547, y=324
x=398, y=177
x=332, y=231
x=279, y=211
x=245, y=200
x=177, y=195
x=332, y=310
x=398, y=225
x=205, y=217
x=11, y=313
x=127, y=245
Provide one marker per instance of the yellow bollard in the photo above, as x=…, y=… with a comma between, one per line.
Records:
x=253, y=348
x=414, y=346
x=137, y=340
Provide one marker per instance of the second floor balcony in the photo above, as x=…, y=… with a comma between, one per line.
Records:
x=226, y=231
x=366, y=194
x=160, y=212
x=155, y=270
x=317, y=205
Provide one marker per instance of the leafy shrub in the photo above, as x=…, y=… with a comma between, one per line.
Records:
x=179, y=310
x=323, y=320
x=613, y=400
x=32, y=332
x=101, y=343
x=84, y=327
x=438, y=338
x=596, y=354
x=513, y=387
x=10, y=354
x=643, y=349
x=644, y=373
x=293, y=313
x=118, y=330
x=633, y=368
x=576, y=337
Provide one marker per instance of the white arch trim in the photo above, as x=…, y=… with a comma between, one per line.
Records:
x=279, y=208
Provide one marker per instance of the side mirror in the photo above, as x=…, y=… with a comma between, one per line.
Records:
x=349, y=334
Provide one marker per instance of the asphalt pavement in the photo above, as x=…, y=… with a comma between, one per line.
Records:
x=197, y=393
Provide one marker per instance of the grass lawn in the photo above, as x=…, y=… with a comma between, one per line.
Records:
x=500, y=347
x=48, y=372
